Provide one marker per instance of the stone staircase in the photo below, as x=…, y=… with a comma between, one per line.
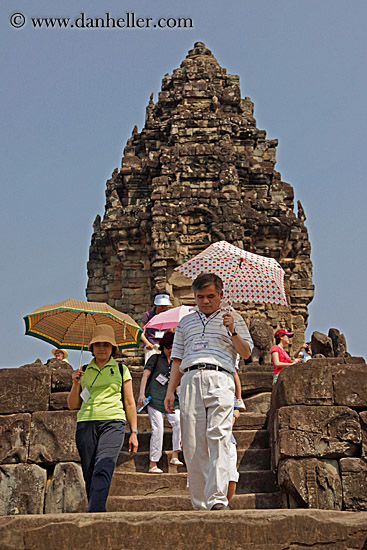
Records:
x=134, y=489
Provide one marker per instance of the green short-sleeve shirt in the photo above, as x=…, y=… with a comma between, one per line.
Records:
x=104, y=387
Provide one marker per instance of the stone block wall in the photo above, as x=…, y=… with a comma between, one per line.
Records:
x=39, y=462
x=318, y=433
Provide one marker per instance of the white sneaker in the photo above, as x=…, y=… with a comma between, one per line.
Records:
x=176, y=462
x=241, y=405
x=155, y=470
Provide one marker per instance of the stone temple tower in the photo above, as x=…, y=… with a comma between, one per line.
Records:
x=199, y=171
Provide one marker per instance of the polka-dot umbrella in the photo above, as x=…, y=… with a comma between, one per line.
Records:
x=246, y=277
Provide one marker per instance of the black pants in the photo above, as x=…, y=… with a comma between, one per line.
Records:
x=99, y=443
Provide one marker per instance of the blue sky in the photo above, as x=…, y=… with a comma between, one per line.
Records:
x=70, y=98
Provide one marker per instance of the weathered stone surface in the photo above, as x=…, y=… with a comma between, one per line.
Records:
x=321, y=344
x=338, y=341
x=25, y=389
x=14, y=438
x=350, y=385
x=304, y=384
x=66, y=491
x=22, y=488
x=59, y=401
x=256, y=381
x=259, y=403
x=253, y=529
x=322, y=432
x=61, y=380
x=36, y=363
x=354, y=479
x=53, y=437
x=200, y=171
x=262, y=337
x=312, y=483
x=363, y=418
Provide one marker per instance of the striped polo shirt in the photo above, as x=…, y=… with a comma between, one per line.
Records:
x=219, y=350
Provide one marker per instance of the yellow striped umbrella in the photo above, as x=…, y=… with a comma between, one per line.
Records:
x=69, y=324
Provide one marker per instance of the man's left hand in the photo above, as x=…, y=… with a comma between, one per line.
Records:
x=228, y=321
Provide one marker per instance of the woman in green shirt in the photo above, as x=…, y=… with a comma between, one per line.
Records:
x=97, y=392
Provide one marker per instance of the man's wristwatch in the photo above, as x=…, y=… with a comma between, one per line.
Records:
x=234, y=333
x=134, y=431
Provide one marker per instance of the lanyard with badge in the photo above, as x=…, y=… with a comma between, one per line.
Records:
x=85, y=394
x=202, y=343
x=163, y=378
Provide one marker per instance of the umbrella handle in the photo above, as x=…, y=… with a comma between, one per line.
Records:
x=81, y=352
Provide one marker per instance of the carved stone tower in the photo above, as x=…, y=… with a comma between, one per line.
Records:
x=198, y=172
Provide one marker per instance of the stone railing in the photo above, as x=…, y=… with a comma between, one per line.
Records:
x=39, y=469
x=318, y=432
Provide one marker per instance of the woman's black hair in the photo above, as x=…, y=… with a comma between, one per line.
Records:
x=166, y=341
x=277, y=340
x=113, y=354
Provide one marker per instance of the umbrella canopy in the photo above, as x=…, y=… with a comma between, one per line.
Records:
x=70, y=324
x=246, y=277
x=169, y=319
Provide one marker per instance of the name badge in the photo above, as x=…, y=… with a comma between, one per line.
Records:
x=85, y=395
x=159, y=334
x=162, y=379
x=201, y=344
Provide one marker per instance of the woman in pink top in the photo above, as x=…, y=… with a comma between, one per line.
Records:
x=279, y=356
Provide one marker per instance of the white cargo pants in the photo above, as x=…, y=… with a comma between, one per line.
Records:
x=206, y=405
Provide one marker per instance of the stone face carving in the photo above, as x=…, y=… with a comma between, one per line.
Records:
x=199, y=171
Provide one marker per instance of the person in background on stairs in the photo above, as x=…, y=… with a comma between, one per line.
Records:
x=60, y=354
x=152, y=336
x=238, y=388
x=204, y=353
x=279, y=356
x=157, y=373
x=103, y=393
x=233, y=474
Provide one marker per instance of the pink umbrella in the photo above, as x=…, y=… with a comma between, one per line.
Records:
x=170, y=318
x=246, y=277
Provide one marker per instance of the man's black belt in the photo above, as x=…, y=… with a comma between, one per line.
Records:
x=206, y=366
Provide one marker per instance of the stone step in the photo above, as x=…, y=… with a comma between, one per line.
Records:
x=155, y=503
x=239, y=529
x=137, y=483
x=247, y=460
x=247, y=421
x=246, y=439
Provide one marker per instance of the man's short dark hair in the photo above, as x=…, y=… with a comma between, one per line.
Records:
x=205, y=279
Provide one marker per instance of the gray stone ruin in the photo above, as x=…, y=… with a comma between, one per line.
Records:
x=200, y=171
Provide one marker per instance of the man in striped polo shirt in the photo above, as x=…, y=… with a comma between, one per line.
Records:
x=204, y=354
